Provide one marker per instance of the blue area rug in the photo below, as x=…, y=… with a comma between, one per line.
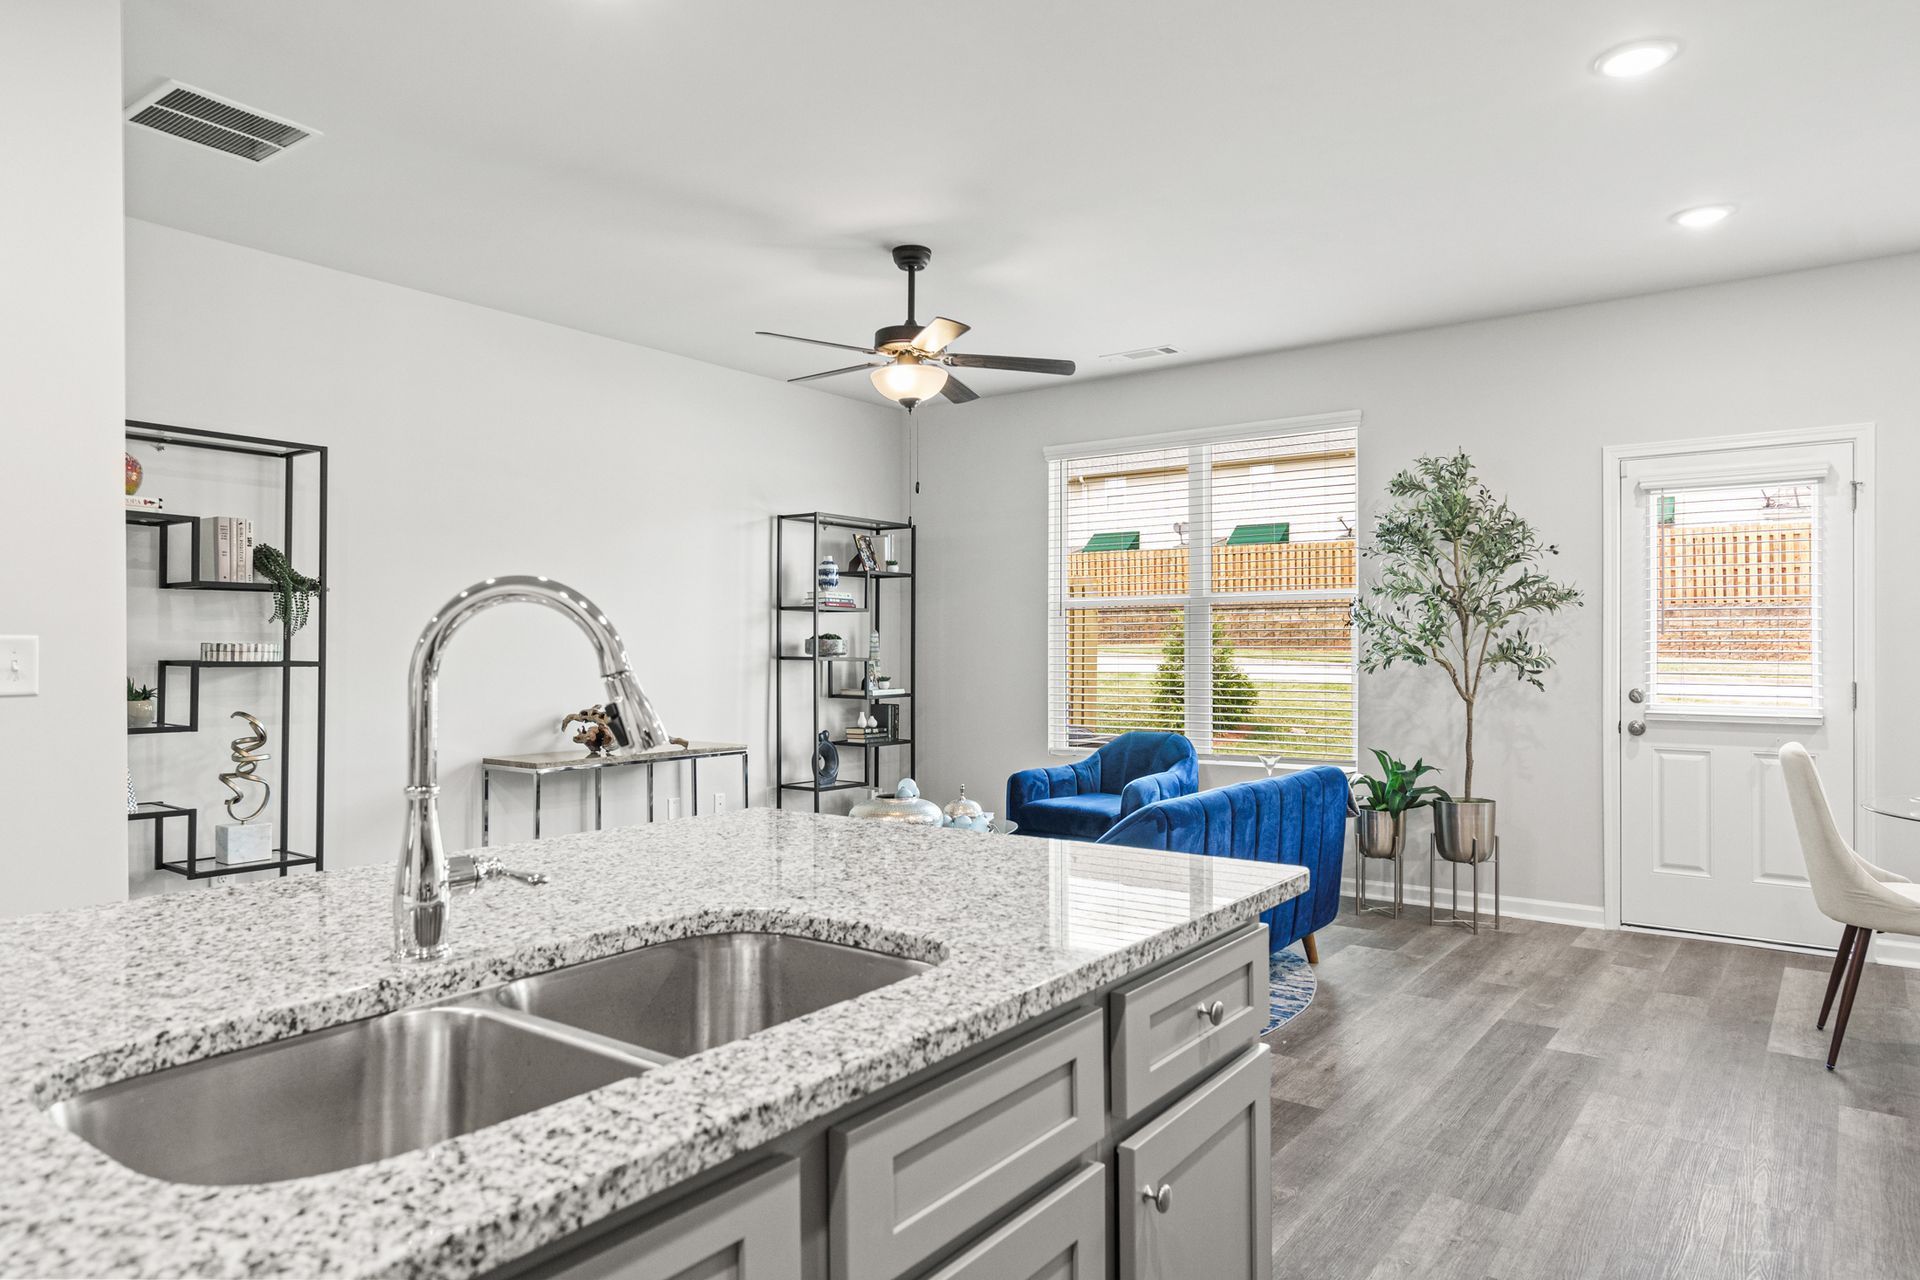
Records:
x=1292, y=987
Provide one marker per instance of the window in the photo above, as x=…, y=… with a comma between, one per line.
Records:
x=1238, y=546
x=1733, y=614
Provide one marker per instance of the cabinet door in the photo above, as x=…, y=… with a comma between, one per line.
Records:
x=1060, y=1236
x=1195, y=1188
x=747, y=1230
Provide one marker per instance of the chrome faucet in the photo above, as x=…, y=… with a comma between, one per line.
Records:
x=425, y=878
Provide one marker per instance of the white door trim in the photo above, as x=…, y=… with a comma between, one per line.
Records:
x=1860, y=436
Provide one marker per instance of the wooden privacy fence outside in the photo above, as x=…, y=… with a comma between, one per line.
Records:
x=1277, y=566
x=1736, y=592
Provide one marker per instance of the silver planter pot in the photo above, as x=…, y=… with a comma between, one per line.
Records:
x=1463, y=830
x=1377, y=833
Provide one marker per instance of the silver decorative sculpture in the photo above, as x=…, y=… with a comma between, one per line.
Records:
x=904, y=806
x=247, y=757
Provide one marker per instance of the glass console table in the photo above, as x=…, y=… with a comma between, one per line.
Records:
x=1904, y=807
x=542, y=763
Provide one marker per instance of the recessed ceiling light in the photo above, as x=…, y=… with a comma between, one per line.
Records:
x=1636, y=58
x=1702, y=216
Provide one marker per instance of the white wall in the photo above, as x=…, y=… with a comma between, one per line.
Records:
x=1534, y=398
x=62, y=815
x=468, y=443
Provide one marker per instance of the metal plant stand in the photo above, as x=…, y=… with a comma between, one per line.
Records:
x=1433, y=886
x=1360, y=904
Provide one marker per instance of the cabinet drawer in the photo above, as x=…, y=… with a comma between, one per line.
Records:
x=1206, y=1160
x=924, y=1173
x=749, y=1229
x=1060, y=1236
x=1164, y=1037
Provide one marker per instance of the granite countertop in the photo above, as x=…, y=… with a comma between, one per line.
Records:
x=1017, y=927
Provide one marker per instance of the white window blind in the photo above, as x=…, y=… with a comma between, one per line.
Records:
x=1240, y=549
x=1734, y=600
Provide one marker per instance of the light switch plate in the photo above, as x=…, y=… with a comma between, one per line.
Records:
x=19, y=666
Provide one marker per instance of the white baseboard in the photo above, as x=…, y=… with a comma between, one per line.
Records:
x=1579, y=914
x=1888, y=949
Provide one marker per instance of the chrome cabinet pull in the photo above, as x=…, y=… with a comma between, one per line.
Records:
x=1161, y=1197
x=1215, y=1014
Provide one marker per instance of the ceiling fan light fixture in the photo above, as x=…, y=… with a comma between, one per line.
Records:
x=908, y=381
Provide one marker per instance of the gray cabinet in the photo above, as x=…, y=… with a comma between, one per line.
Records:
x=1060, y=1236
x=1176, y=1026
x=748, y=1229
x=1195, y=1185
x=924, y=1173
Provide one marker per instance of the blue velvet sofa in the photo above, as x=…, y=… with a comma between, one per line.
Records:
x=1300, y=820
x=1080, y=801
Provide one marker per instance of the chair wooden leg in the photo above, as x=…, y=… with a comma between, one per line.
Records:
x=1854, y=966
x=1840, y=959
x=1313, y=949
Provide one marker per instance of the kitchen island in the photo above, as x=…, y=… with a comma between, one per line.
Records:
x=1031, y=947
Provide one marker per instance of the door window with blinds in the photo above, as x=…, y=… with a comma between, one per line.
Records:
x=1734, y=600
x=1207, y=587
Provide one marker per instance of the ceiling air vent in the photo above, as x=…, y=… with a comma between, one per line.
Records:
x=1142, y=353
x=212, y=121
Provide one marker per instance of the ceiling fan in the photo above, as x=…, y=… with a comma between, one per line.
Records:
x=916, y=356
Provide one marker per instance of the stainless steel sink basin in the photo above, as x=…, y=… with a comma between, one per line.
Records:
x=345, y=1096
x=677, y=998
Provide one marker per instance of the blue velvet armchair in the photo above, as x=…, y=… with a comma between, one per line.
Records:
x=1299, y=820
x=1080, y=801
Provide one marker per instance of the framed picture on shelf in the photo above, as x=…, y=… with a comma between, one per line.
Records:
x=864, y=557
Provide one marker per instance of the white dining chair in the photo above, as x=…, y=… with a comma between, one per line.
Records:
x=1848, y=889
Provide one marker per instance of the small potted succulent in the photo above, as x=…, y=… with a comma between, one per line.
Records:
x=141, y=706
x=827, y=645
x=1380, y=824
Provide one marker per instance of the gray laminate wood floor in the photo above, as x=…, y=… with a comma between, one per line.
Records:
x=1550, y=1101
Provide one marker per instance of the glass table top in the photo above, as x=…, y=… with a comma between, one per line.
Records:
x=1907, y=807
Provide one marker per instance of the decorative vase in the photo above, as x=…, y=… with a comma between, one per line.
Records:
x=1378, y=834
x=826, y=646
x=829, y=573
x=135, y=473
x=826, y=760
x=903, y=806
x=1464, y=830
x=140, y=713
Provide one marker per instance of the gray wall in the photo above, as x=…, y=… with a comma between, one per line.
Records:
x=62, y=815
x=1534, y=398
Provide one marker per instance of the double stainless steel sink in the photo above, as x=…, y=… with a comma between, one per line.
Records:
x=357, y=1093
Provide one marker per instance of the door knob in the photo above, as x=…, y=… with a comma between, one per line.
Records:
x=1160, y=1197
x=1215, y=1013
x=1636, y=727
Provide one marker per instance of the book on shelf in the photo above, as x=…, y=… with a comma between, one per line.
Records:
x=226, y=549
x=135, y=502
x=888, y=692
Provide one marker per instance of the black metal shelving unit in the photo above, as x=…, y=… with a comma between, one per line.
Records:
x=822, y=671
x=295, y=457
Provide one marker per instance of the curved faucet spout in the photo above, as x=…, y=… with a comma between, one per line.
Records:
x=421, y=886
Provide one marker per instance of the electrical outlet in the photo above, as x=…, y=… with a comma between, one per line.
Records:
x=19, y=666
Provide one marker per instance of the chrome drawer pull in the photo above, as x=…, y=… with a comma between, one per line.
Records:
x=1215, y=1013
x=1161, y=1197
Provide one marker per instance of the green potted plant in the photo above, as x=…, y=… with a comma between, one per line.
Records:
x=1458, y=582
x=827, y=645
x=141, y=707
x=1379, y=823
x=293, y=591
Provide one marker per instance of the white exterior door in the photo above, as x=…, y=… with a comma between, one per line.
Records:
x=1737, y=636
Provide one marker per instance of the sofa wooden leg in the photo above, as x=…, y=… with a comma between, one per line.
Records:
x=1313, y=949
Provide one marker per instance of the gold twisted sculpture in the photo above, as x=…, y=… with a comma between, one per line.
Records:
x=246, y=760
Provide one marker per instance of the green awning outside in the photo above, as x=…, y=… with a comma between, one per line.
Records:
x=1259, y=535
x=1115, y=542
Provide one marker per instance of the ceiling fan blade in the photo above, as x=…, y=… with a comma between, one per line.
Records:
x=958, y=391
x=834, y=373
x=818, y=342
x=934, y=338
x=1018, y=364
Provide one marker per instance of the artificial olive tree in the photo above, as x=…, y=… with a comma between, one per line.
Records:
x=1457, y=580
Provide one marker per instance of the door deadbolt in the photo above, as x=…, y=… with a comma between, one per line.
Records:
x=1636, y=727
x=1636, y=696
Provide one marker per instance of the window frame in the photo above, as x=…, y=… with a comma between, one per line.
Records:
x=1198, y=603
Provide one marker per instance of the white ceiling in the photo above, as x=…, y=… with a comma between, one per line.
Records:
x=1093, y=175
